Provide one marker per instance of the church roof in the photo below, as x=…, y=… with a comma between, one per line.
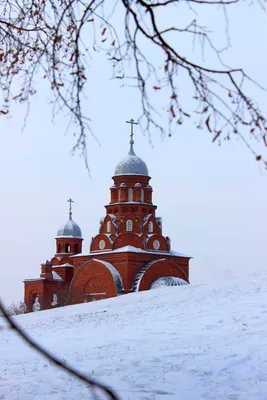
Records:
x=167, y=281
x=70, y=230
x=131, y=164
x=132, y=249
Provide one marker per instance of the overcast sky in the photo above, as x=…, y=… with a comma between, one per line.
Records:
x=212, y=199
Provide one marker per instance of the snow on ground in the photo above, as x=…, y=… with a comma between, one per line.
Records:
x=183, y=342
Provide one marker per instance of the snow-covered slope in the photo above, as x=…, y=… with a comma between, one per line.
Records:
x=185, y=342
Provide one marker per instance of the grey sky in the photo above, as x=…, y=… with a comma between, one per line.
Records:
x=212, y=199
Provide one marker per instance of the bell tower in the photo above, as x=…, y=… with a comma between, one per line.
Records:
x=69, y=237
x=131, y=215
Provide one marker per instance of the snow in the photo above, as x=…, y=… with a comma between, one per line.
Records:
x=184, y=342
x=133, y=249
x=67, y=265
x=167, y=281
x=56, y=277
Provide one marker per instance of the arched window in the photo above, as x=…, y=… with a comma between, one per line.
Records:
x=108, y=227
x=59, y=248
x=142, y=195
x=76, y=248
x=129, y=225
x=150, y=227
x=130, y=195
x=67, y=248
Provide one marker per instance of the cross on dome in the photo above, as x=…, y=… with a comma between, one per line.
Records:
x=70, y=229
x=70, y=210
x=131, y=134
x=131, y=164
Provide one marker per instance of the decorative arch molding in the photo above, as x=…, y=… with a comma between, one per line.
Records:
x=154, y=270
x=108, y=220
x=128, y=239
x=163, y=243
x=136, y=228
x=156, y=228
x=95, y=278
x=65, y=260
x=55, y=261
x=100, y=242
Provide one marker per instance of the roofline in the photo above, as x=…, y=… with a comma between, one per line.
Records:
x=132, y=174
x=141, y=251
x=68, y=237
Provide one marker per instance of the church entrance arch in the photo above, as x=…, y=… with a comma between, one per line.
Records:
x=95, y=280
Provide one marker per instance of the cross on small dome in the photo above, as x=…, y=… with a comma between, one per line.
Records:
x=70, y=229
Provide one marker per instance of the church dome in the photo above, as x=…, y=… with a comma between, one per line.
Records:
x=167, y=281
x=70, y=230
x=131, y=165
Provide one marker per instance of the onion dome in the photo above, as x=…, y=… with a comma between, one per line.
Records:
x=70, y=229
x=131, y=164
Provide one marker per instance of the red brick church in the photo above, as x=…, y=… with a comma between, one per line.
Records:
x=129, y=254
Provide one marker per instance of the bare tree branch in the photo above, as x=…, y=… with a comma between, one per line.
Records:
x=48, y=39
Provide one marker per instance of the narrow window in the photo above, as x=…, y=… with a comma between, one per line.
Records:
x=129, y=226
x=76, y=249
x=67, y=248
x=142, y=195
x=130, y=195
x=59, y=248
x=108, y=227
x=150, y=227
x=119, y=195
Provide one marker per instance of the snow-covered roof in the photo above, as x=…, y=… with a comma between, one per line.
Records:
x=67, y=265
x=56, y=277
x=33, y=279
x=167, y=281
x=131, y=165
x=69, y=230
x=132, y=249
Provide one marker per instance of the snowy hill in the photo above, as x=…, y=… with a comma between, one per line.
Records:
x=186, y=342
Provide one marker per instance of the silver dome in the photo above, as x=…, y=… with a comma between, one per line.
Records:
x=70, y=230
x=131, y=165
x=167, y=281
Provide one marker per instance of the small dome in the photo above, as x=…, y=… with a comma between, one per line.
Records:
x=70, y=230
x=167, y=281
x=131, y=165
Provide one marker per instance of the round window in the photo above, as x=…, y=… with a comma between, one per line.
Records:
x=156, y=244
x=102, y=244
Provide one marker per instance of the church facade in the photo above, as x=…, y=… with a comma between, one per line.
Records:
x=129, y=253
